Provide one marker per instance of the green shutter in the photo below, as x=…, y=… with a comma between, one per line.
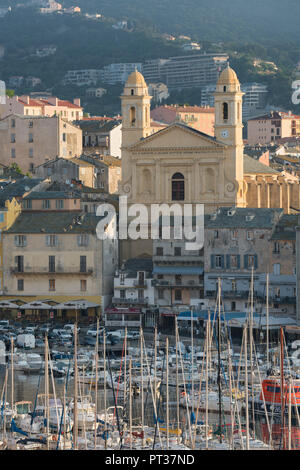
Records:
x=228, y=261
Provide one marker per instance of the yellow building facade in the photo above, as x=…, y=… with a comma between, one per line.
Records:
x=179, y=164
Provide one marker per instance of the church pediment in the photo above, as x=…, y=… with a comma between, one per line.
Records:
x=177, y=136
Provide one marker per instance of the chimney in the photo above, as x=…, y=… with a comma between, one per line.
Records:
x=76, y=101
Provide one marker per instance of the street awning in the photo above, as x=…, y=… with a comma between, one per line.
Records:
x=36, y=305
x=8, y=304
x=76, y=305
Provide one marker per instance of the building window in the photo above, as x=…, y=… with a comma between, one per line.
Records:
x=234, y=234
x=216, y=234
x=83, y=239
x=30, y=124
x=13, y=153
x=13, y=123
x=233, y=261
x=122, y=279
x=178, y=279
x=64, y=137
x=51, y=240
x=122, y=294
x=160, y=294
x=233, y=285
x=83, y=285
x=31, y=152
x=27, y=204
x=132, y=116
x=20, y=284
x=159, y=251
x=160, y=276
x=276, y=269
x=251, y=261
x=276, y=247
x=20, y=240
x=13, y=138
x=51, y=264
x=83, y=264
x=46, y=204
x=30, y=138
x=249, y=235
x=177, y=251
x=225, y=111
x=177, y=187
x=59, y=204
x=218, y=261
x=178, y=295
x=20, y=264
x=51, y=284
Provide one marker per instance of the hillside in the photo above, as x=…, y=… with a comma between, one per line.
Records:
x=209, y=20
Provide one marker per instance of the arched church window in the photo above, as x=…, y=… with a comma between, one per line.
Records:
x=177, y=187
x=225, y=111
x=132, y=92
x=224, y=88
x=132, y=115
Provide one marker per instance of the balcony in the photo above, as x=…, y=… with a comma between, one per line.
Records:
x=141, y=284
x=118, y=300
x=38, y=271
x=171, y=259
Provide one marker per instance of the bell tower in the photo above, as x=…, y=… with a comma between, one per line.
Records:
x=229, y=126
x=135, y=109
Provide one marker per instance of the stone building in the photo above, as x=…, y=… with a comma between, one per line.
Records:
x=30, y=141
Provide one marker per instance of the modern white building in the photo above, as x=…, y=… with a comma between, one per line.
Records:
x=82, y=77
x=118, y=73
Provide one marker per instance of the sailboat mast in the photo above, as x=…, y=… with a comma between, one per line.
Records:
x=282, y=382
x=96, y=381
x=267, y=318
x=246, y=386
x=219, y=359
x=75, y=425
x=12, y=373
x=105, y=412
x=142, y=384
x=167, y=389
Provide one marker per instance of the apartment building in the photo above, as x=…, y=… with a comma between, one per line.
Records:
x=30, y=141
x=54, y=258
x=82, y=77
x=50, y=106
x=187, y=71
x=114, y=74
x=237, y=241
x=254, y=99
x=272, y=127
x=200, y=118
x=104, y=136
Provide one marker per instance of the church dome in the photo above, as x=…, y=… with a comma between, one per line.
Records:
x=228, y=77
x=136, y=79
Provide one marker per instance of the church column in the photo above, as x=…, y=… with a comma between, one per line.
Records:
x=258, y=195
x=157, y=181
x=268, y=196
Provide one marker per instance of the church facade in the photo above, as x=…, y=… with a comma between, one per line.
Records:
x=179, y=164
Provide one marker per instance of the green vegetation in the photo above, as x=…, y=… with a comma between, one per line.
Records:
x=265, y=31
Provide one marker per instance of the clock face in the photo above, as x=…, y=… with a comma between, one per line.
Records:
x=224, y=134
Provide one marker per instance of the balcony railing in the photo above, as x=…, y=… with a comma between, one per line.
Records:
x=118, y=300
x=28, y=271
x=141, y=284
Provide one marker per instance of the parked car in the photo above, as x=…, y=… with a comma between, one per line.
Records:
x=70, y=328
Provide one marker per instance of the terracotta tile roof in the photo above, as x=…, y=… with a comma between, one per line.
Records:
x=42, y=102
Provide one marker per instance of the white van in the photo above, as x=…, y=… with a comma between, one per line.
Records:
x=26, y=341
